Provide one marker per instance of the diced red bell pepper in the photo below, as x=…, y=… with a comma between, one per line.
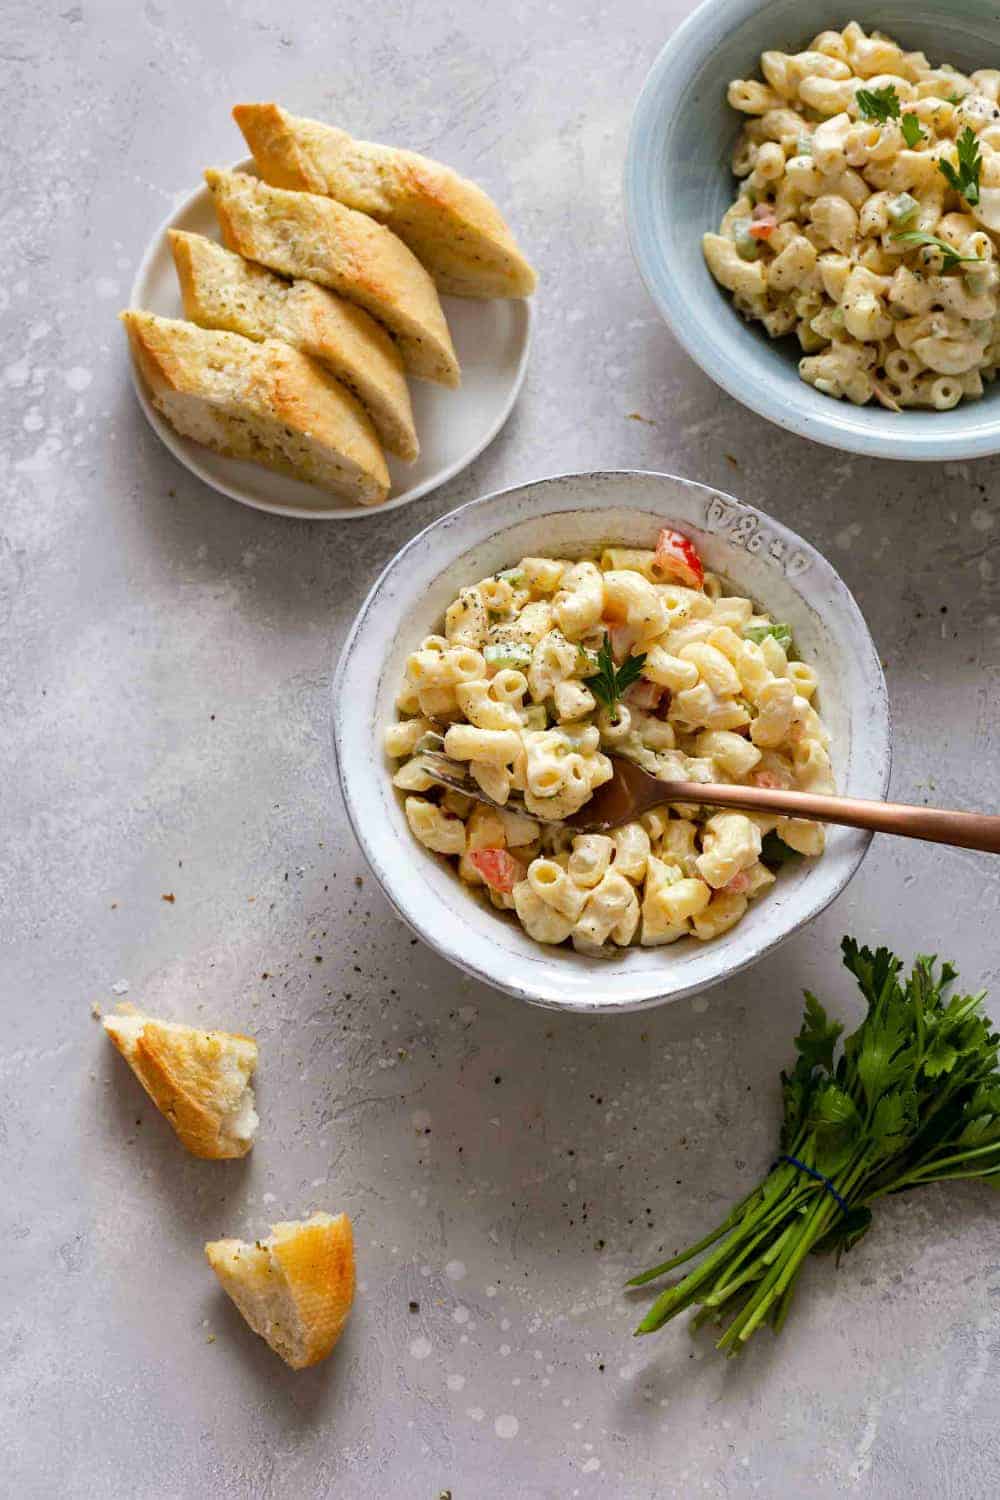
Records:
x=762, y=222
x=677, y=558
x=500, y=870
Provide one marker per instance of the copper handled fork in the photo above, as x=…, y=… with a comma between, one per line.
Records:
x=633, y=791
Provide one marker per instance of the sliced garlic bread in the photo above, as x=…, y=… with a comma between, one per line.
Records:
x=200, y=1080
x=296, y=1287
x=260, y=401
x=307, y=236
x=222, y=290
x=449, y=223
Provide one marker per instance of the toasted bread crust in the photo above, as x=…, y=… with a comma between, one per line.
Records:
x=260, y=401
x=448, y=222
x=311, y=237
x=222, y=290
x=296, y=1288
x=188, y=1074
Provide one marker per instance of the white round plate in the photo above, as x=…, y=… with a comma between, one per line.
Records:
x=492, y=340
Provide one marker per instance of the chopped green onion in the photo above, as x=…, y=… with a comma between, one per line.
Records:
x=513, y=576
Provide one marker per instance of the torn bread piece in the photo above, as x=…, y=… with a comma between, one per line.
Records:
x=296, y=1287
x=222, y=290
x=264, y=402
x=305, y=235
x=448, y=222
x=199, y=1079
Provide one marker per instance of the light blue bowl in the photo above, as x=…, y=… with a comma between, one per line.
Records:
x=678, y=183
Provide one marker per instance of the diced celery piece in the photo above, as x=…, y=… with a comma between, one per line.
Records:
x=903, y=208
x=586, y=661
x=747, y=247
x=535, y=717
x=508, y=654
x=757, y=633
x=513, y=576
x=804, y=146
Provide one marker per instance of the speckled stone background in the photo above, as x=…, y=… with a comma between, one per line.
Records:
x=164, y=673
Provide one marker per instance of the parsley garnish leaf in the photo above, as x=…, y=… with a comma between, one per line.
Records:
x=912, y=130
x=879, y=104
x=610, y=682
x=951, y=257
x=966, y=180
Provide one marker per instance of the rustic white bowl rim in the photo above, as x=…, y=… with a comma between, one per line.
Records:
x=408, y=598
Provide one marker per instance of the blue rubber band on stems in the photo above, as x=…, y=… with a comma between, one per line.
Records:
x=824, y=1182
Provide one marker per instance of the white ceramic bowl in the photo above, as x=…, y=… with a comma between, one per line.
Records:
x=679, y=183
x=492, y=340
x=567, y=517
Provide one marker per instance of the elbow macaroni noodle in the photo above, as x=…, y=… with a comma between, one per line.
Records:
x=718, y=699
x=815, y=243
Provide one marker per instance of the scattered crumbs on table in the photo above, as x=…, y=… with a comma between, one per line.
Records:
x=120, y=987
x=637, y=416
x=114, y=906
x=730, y=459
x=95, y=1011
x=169, y=897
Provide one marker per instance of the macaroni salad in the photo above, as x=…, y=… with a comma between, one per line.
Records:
x=543, y=668
x=867, y=218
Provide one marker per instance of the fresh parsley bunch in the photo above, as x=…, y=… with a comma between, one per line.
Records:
x=913, y=1097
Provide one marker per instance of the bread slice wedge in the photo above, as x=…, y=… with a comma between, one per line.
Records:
x=296, y=1287
x=264, y=402
x=222, y=290
x=307, y=236
x=448, y=222
x=200, y=1080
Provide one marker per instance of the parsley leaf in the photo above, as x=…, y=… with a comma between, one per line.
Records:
x=951, y=257
x=966, y=180
x=879, y=104
x=610, y=682
x=912, y=130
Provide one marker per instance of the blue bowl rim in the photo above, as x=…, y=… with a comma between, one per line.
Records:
x=833, y=429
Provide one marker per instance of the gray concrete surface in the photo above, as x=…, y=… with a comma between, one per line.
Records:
x=164, y=671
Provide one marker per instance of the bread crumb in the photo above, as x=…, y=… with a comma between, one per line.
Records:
x=96, y=1011
x=637, y=416
x=168, y=896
